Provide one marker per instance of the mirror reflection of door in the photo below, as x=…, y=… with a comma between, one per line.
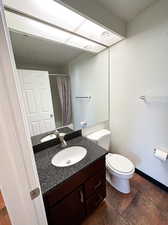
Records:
x=37, y=98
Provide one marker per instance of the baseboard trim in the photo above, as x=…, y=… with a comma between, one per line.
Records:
x=162, y=186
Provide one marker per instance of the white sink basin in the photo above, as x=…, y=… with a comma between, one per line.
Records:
x=69, y=156
x=48, y=138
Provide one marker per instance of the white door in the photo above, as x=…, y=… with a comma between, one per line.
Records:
x=18, y=173
x=38, y=101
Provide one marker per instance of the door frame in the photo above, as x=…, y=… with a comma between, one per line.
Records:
x=18, y=172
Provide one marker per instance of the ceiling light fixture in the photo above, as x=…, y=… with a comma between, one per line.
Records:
x=31, y=27
x=87, y=28
x=61, y=24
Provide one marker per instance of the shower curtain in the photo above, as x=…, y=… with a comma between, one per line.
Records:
x=64, y=90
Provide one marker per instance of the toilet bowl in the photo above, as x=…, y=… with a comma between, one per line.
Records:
x=119, y=169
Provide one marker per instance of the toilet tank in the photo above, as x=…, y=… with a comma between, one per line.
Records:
x=101, y=137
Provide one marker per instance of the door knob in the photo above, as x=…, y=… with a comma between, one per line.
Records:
x=51, y=115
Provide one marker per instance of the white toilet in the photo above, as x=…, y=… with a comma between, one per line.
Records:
x=119, y=169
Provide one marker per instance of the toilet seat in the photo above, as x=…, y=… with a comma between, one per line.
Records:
x=119, y=164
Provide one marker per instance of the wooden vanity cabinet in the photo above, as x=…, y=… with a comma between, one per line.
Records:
x=71, y=208
x=95, y=191
x=70, y=202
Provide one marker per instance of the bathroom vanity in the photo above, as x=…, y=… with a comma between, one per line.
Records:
x=73, y=192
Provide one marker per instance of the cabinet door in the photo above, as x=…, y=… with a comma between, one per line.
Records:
x=70, y=210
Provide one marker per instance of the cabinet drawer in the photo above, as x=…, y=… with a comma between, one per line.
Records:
x=95, y=183
x=93, y=202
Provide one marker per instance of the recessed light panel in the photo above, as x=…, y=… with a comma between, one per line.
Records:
x=85, y=44
x=58, y=14
x=97, y=33
x=72, y=21
x=32, y=27
x=50, y=19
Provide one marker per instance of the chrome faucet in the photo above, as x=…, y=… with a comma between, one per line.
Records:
x=61, y=138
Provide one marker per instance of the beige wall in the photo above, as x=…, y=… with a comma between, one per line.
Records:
x=139, y=66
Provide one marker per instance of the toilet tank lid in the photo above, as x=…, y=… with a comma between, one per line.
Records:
x=98, y=134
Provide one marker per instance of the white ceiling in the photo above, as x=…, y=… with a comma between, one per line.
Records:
x=29, y=50
x=126, y=9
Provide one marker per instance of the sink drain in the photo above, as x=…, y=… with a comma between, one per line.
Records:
x=68, y=162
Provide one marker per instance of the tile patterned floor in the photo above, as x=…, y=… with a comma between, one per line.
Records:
x=146, y=205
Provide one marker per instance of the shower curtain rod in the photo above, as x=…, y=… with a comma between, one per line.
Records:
x=59, y=75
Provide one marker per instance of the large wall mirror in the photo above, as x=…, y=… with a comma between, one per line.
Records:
x=62, y=86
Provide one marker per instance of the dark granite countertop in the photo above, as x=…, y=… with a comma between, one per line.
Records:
x=51, y=176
